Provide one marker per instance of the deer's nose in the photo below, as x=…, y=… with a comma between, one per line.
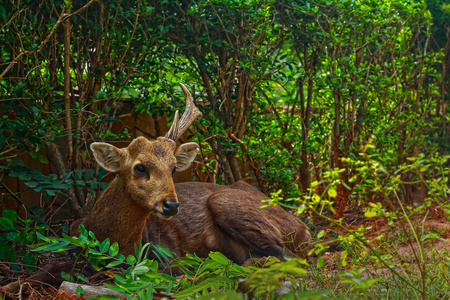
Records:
x=170, y=208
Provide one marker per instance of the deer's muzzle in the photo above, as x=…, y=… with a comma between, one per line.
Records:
x=170, y=208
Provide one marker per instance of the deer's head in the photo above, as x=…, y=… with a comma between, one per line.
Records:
x=145, y=168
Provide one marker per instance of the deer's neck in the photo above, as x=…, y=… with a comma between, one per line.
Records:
x=117, y=217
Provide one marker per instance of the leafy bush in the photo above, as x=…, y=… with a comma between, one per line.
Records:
x=16, y=235
x=49, y=185
x=413, y=270
x=140, y=277
x=137, y=276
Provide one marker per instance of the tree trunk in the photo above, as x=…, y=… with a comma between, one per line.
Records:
x=305, y=175
x=56, y=159
x=229, y=165
x=343, y=193
x=66, y=71
x=234, y=166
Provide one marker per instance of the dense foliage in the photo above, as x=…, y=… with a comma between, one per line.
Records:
x=326, y=103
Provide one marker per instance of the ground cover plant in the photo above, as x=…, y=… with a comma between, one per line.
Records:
x=336, y=109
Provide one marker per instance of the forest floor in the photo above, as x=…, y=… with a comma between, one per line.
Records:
x=399, y=246
x=404, y=246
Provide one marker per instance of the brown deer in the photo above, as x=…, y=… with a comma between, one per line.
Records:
x=142, y=202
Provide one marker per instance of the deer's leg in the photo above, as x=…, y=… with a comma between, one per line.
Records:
x=245, y=227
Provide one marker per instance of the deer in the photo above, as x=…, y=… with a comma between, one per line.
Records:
x=142, y=203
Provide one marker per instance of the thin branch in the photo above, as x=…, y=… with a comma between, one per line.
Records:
x=61, y=19
x=17, y=199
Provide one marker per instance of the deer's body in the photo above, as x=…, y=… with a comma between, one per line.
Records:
x=227, y=219
x=212, y=217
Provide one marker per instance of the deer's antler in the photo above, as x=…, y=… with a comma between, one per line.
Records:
x=190, y=114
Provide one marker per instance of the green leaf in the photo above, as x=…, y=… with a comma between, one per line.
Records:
x=104, y=246
x=164, y=252
x=37, y=155
x=332, y=193
x=344, y=255
x=67, y=276
x=46, y=239
x=3, y=12
x=81, y=277
x=220, y=280
x=10, y=214
x=30, y=261
x=39, y=220
x=120, y=257
x=31, y=184
x=79, y=290
x=114, y=249
x=353, y=179
x=103, y=185
x=114, y=263
x=100, y=174
x=100, y=94
x=52, y=247
x=67, y=175
x=73, y=240
x=6, y=223
x=346, y=186
x=292, y=269
x=93, y=184
x=219, y=257
x=314, y=183
x=370, y=214
x=96, y=252
x=25, y=177
x=320, y=262
x=78, y=174
x=88, y=174
x=59, y=185
x=119, y=278
x=148, y=294
x=7, y=252
x=131, y=259
x=51, y=192
x=169, y=287
x=138, y=270
x=14, y=236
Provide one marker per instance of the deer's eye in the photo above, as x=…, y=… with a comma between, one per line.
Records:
x=140, y=170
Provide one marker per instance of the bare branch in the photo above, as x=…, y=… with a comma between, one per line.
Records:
x=61, y=19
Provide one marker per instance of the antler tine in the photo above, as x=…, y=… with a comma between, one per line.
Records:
x=190, y=114
x=173, y=131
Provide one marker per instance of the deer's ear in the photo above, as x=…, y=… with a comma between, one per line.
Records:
x=107, y=156
x=185, y=155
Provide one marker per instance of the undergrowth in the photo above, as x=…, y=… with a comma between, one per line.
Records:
x=406, y=257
